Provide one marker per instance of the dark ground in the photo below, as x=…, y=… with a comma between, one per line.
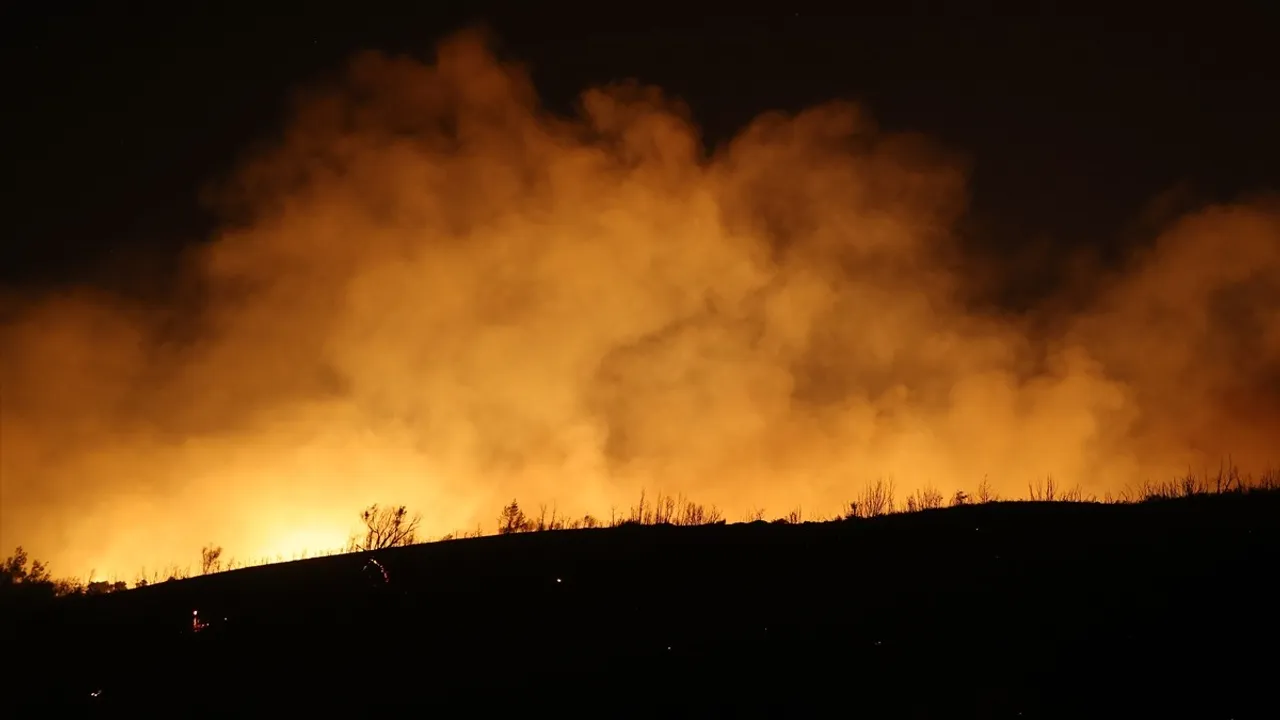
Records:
x=1155, y=610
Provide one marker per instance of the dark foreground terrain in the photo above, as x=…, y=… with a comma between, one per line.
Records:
x=1155, y=610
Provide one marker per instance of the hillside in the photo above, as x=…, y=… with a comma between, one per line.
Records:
x=1157, y=609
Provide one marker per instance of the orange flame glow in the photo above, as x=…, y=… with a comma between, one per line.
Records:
x=433, y=292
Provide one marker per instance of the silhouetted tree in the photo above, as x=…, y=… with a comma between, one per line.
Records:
x=513, y=520
x=24, y=580
x=14, y=570
x=386, y=527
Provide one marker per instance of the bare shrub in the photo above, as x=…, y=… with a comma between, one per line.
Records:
x=210, y=559
x=926, y=498
x=555, y=521
x=1190, y=485
x=1122, y=497
x=586, y=522
x=1076, y=494
x=985, y=493
x=692, y=513
x=1045, y=491
x=665, y=510
x=877, y=499
x=641, y=513
x=386, y=527
x=1228, y=480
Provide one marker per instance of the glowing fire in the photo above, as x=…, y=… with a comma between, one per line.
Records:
x=292, y=543
x=437, y=294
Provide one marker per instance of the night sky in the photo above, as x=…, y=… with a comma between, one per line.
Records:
x=117, y=114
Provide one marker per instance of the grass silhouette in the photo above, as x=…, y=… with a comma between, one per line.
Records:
x=383, y=526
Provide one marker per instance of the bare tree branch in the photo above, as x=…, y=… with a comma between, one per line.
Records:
x=387, y=527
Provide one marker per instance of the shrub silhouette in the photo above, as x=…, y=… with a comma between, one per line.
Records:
x=210, y=559
x=927, y=498
x=102, y=587
x=1046, y=491
x=985, y=493
x=386, y=527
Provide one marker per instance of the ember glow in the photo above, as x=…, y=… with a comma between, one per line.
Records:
x=432, y=292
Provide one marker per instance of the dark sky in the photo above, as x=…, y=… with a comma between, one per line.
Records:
x=115, y=114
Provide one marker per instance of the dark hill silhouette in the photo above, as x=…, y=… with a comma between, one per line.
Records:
x=1156, y=609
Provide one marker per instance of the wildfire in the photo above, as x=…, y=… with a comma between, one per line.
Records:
x=436, y=293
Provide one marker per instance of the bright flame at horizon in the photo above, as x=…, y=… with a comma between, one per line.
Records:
x=432, y=292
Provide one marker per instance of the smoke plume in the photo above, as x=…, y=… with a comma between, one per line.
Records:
x=431, y=291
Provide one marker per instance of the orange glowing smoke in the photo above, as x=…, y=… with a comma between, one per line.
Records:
x=432, y=292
